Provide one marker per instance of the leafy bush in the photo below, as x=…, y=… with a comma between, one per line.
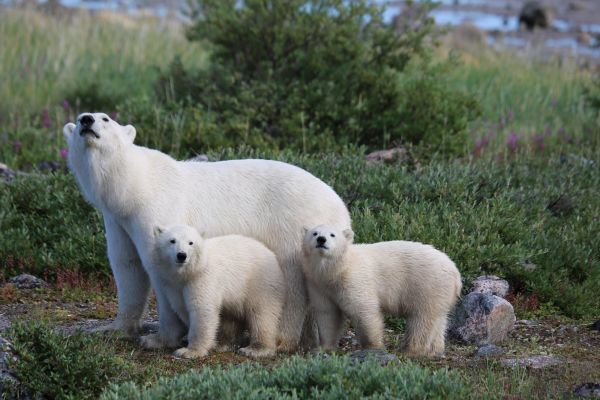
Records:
x=313, y=75
x=57, y=366
x=46, y=225
x=312, y=378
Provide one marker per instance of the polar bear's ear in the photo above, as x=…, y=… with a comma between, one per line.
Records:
x=348, y=234
x=305, y=229
x=68, y=130
x=158, y=230
x=129, y=133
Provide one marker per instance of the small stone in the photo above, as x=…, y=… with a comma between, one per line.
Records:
x=49, y=166
x=528, y=265
x=535, y=362
x=596, y=326
x=490, y=284
x=26, y=281
x=199, y=158
x=382, y=356
x=590, y=390
x=482, y=318
x=527, y=322
x=388, y=156
x=488, y=350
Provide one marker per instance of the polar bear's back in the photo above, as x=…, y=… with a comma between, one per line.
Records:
x=267, y=200
x=243, y=268
x=410, y=273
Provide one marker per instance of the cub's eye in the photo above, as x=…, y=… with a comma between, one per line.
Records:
x=191, y=243
x=315, y=234
x=105, y=119
x=172, y=241
x=332, y=235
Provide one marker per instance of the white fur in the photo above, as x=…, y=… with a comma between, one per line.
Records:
x=137, y=188
x=231, y=276
x=363, y=281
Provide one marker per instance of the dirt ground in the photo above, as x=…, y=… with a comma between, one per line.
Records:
x=573, y=345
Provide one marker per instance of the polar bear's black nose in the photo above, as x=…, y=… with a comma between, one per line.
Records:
x=87, y=120
x=181, y=256
x=321, y=240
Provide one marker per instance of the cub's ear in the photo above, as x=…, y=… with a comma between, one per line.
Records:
x=158, y=230
x=348, y=234
x=129, y=133
x=305, y=229
x=68, y=130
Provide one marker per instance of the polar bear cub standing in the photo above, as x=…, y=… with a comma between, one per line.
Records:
x=233, y=277
x=363, y=281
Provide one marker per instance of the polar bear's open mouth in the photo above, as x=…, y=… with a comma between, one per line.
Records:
x=88, y=131
x=322, y=246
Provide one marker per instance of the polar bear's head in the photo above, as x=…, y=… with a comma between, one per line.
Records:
x=178, y=246
x=326, y=241
x=96, y=131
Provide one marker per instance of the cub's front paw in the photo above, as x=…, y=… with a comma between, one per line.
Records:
x=186, y=352
x=152, y=341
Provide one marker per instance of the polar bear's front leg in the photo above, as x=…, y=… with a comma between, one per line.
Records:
x=295, y=309
x=133, y=285
x=204, y=324
x=328, y=315
x=367, y=319
x=171, y=329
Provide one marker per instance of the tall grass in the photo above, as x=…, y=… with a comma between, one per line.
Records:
x=538, y=102
x=43, y=58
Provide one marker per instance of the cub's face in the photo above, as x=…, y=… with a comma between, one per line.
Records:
x=96, y=131
x=326, y=241
x=178, y=246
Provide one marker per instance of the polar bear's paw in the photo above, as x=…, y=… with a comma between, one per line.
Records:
x=126, y=330
x=186, y=352
x=257, y=352
x=152, y=341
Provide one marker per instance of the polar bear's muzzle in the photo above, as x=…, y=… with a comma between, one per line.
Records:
x=88, y=131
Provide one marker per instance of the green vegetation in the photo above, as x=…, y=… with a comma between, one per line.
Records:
x=57, y=366
x=298, y=378
x=503, y=176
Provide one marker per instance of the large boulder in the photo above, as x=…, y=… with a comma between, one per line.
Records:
x=535, y=15
x=490, y=284
x=481, y=318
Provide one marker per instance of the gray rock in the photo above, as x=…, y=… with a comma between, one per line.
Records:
x=535, y=362
x=382, y=356
x=399, y=154
x=590, y=390
x=482, y=318
x=527, y=322
x=490, y=284
x=26, y=281
x=528, y=265
x=596, y=326
x=199, y=158
x=488, y=350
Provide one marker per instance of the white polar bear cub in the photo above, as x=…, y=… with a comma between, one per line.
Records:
x=363, y=281
x=233, y=277
x=137, y=188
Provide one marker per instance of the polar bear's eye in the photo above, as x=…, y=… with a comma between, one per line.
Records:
x=315, y=234
x=172, y=241
x=332, y=235
x=105, y=119
x=191, y=243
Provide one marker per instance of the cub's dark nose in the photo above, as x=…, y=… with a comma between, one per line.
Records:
x=181, y=256
x=321, y=240
x=86, y=121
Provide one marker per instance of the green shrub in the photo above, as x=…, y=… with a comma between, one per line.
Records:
x=56, y=366
x=313, y=75
x=297, y=378
x=46, y=225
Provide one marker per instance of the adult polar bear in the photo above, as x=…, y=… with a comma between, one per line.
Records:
x=137, y=188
